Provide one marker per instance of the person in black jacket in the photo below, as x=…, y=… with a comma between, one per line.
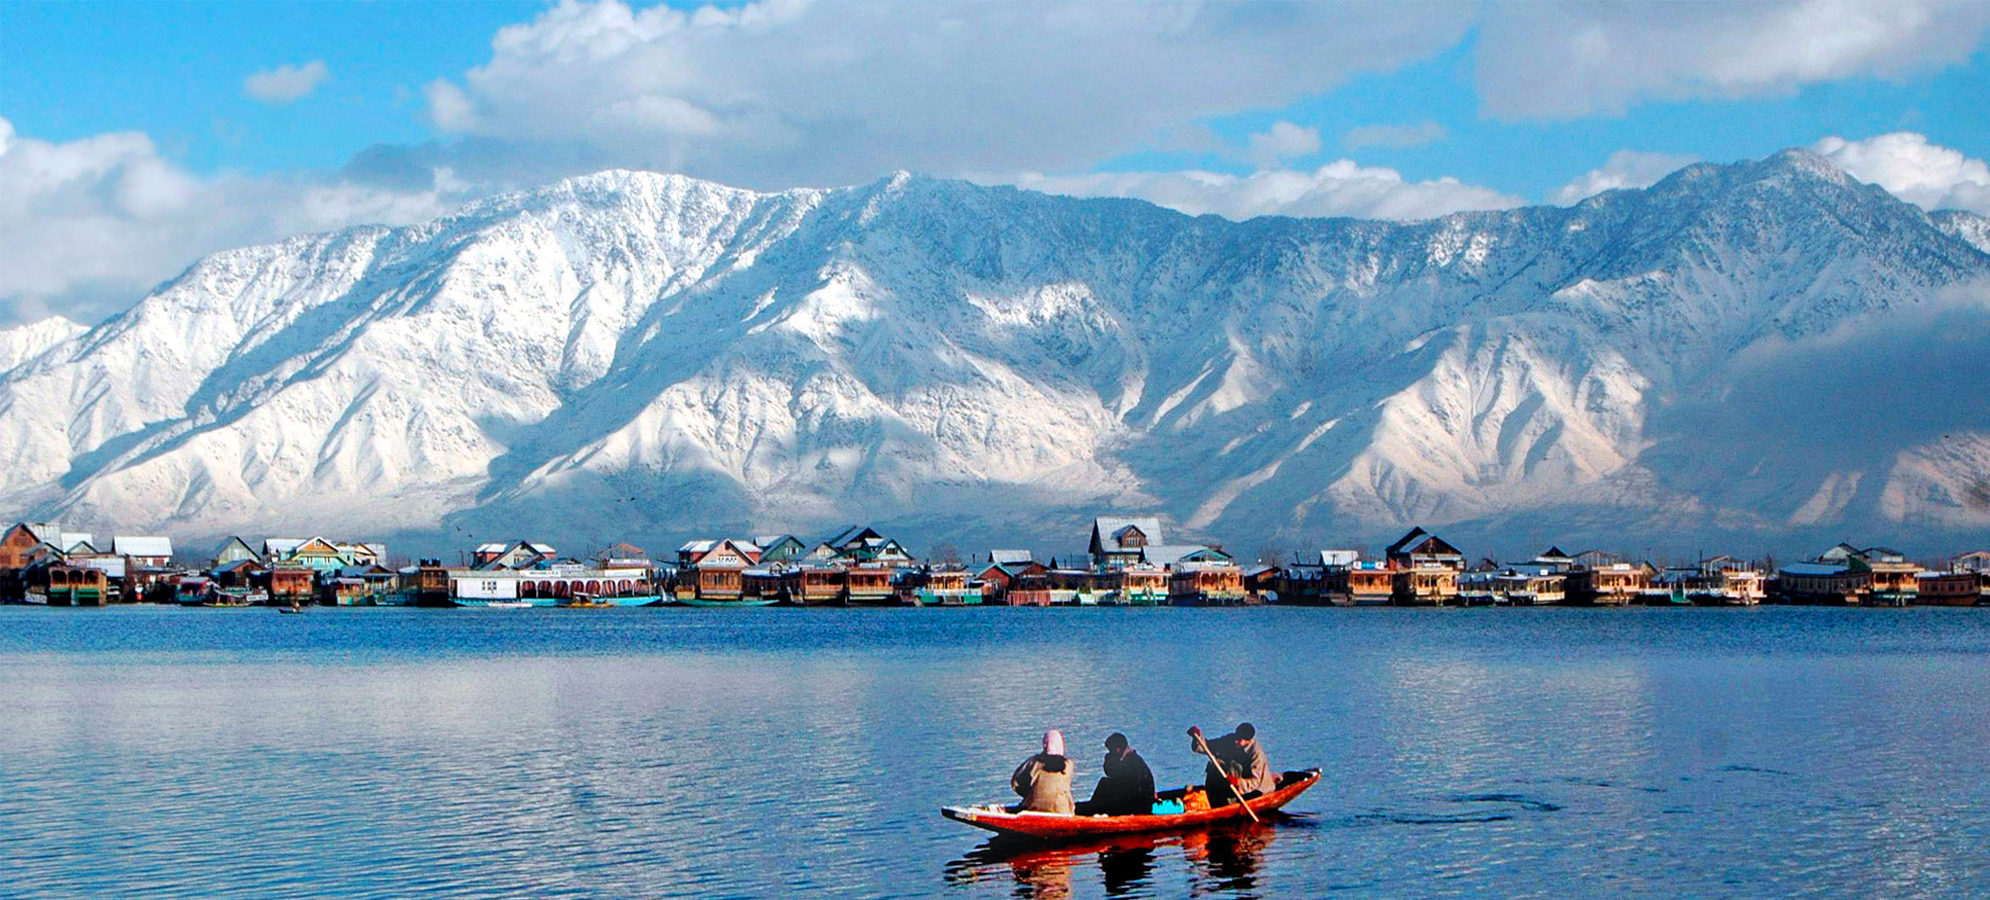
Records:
x=1127, y=789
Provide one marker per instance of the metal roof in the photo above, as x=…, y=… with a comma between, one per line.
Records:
x=141, y=545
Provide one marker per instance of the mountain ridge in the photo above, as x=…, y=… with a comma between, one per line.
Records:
x=681, y=357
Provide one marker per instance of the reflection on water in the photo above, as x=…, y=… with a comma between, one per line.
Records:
x=773, y=753
x=1221, y=860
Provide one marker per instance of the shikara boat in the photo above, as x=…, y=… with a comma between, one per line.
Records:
x=1057, y=827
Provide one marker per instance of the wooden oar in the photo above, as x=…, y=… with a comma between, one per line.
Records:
x=1195, y=731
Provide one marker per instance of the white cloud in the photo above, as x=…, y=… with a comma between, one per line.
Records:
x=1341, y=188
x=286, y=83
x=1624, y=169
x=1556, y=60
x=88, y=225
x=1928, y=175
x=1281, y=142
x=1426, y=132
x=784, y=92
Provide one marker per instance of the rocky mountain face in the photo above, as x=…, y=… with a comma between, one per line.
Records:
x=1762, y=352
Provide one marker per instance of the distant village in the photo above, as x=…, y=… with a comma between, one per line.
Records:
x=1129, y=562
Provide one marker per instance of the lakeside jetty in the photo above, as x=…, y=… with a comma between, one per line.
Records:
x=1128, y=563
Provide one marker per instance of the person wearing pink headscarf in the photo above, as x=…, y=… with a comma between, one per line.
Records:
x=1044, y=780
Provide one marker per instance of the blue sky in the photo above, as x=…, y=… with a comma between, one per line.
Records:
x=138, y=135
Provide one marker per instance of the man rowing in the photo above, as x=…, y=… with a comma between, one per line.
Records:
x=1243, y=770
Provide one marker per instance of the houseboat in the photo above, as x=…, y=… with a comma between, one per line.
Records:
x=552, y=584
x=1939, y=589
x=1140, y=584
x=77, y=586
x=813, y=584
x=1822, y=584
x=1425, y=584
x=1361, y=583
x=947, y=587
x=868, y=584
x=713, y=573
x=1609, y=584
x=1206, y=584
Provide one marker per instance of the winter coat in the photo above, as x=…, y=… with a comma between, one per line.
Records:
x=1044, y=783
x=1252, y=769
x=1127, y=789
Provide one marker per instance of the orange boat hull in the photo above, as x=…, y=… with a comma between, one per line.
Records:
x=1054, y=827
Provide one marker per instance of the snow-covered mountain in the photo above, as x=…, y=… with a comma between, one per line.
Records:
x=1963, y=224
x=25, y=342
x=1752, y=352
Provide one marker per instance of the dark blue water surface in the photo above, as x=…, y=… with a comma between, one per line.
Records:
x=778, y=752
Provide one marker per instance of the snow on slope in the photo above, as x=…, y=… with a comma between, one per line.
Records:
x=629, y=354
x=25, y=342
x=1967, y=226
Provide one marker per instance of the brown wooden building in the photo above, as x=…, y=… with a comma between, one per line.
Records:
x=1615, y=584
x=1425, y=585
x=1206, y=584
x=289, y=583
x=78, y=586
x=1949, y=589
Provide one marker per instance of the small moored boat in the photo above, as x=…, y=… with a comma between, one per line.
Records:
x=1058, y=827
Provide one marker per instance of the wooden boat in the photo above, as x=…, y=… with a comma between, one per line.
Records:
x=584, y=601
x=1057, y=827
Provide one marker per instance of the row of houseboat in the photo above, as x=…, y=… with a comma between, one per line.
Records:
x=1127, y=563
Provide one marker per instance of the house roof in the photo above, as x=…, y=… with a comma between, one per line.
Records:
x=1339, y=557
x=1011, y=569
x=316, y=542
x=1009, y=556
x=361, y=571
x=1535, y=569
x=141, y=545
x=492, y=547
x=702, y=547
x=1421, y=541
x=852, y=533
x=1109, y=528
x=1814, y=568
x=112, y=566
x=1199, y=565
x=1175, y=554
x=282, y=545
x=1406, y=540
x=624, y=551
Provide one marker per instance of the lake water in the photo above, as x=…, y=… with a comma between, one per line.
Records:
x=767, y=753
